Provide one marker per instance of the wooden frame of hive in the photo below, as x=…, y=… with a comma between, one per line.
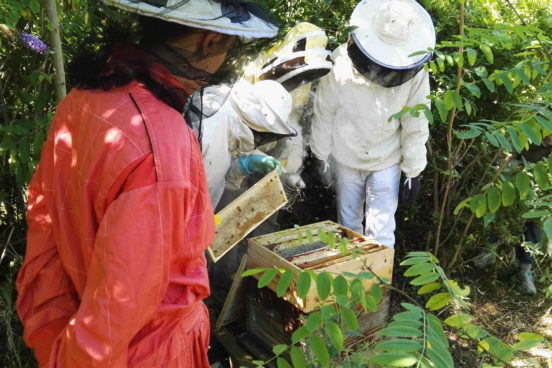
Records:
x=378, y=258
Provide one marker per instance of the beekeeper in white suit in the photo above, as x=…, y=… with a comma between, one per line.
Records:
x=248, y=116
x=297, y=60
x=374, y=75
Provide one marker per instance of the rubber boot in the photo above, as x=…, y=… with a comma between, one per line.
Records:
x=484, y=259
x=526, y=280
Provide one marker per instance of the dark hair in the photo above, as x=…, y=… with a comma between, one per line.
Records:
x=89, y=69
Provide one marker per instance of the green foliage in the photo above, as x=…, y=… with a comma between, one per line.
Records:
x=415, y=337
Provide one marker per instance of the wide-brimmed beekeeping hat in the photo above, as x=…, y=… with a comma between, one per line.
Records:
x=390, y=40
x=233, y=17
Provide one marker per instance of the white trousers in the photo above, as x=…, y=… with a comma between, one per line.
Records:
x=369, y=195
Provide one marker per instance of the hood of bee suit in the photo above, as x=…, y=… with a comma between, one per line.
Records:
x=233, y=17
x=391, y=40
x=265, y=107
x=299, y=58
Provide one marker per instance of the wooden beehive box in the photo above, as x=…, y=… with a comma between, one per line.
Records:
x=376, y=257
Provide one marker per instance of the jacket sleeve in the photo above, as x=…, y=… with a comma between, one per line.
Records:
x=293, y=150
x=127, y=276
x=415, y=130
x=46, y=297
x=325, y=105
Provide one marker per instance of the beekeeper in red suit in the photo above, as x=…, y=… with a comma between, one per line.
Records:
x=119, y=215
x=374, y=75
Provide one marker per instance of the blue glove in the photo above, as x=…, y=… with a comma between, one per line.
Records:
x=257, y=164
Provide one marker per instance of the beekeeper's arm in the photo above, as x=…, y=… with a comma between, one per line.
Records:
x=325, y=105
x=254, y=163
x=415, y=130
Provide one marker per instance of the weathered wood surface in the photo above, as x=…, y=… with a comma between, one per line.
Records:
x=234, y=306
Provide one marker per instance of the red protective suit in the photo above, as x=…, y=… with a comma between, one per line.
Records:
x=119, y=218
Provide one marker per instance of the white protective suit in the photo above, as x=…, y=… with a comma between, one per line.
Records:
x=351, y=124
x=351, y=120
x=303, y=51
x=228, y=134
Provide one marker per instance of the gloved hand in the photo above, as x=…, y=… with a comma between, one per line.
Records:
x=258, y=164
x=410, y=190
x=294, y=181
x=322, y=172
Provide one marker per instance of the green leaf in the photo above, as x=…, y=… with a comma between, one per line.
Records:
x=460, y=320
x=340, y=285
x=303, y=284
x=481, y=72
x=299, y=334
x=505, y=78
x=284, y=282
x=487, y=52
x=323, y=285
x=547, y=227
x=438, y=301
x=515, y=139
x=544, y=122
x=508, y=193
x=418, y=269
x=403, y=331
x=376, y=292
x=314, y=320
x=414, y=260
x=530, y=335
x=531, y=133
x=327, y=311
x=394, y=359
x=442, y=109
x=425, y=279
x=541, y=176
x=322, y=235
x=472, y=55
x=493, y=199
x=468, y=133
x=523, y=182
x=282, y=363
x=310, y=238
x=503, y=141
x=279, y=349
x=320, y=350
x=253, y=271
x=34, y=5
x=370, y=303
x=474, y=90
x=499, y=348
x=428, y=288
x=267, y=277
x=411, y=315
x=492, y=139
x=489, y=84
x=479, y=205
x=526, y=344
x=297, y=358
x=350, y=318
x=334, y=334
x=399, y=345
x=461, y=205
x=449, y=99
x=534, y=214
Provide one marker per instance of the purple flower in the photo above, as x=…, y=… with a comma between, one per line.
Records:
x=33, y=43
